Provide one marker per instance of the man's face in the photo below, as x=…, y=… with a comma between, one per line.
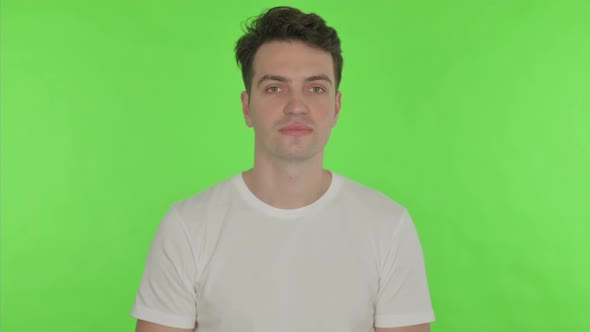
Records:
x=293, y=102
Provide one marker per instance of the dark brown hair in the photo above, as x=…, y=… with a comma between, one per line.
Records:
x=286, y=24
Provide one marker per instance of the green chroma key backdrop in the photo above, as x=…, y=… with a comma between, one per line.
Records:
x=473, y=114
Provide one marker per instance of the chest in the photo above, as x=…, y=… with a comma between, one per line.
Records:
x=287, y=279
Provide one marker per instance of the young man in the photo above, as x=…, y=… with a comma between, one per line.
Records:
x=286, y=245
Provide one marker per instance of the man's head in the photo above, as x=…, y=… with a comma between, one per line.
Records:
x=292, y=99
x=287, y=24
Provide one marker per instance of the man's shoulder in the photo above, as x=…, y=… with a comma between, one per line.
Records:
x=212, y=198
x=369, y=199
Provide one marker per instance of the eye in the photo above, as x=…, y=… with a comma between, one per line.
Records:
x=273, y=89
x=317, y=89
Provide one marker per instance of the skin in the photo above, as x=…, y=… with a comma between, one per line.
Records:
x=292, y=83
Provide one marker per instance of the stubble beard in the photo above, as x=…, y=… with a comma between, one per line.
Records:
x=293, y=151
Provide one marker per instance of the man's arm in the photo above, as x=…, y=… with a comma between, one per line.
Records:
x=145, y=326
x=413, y=328
x=166, y=294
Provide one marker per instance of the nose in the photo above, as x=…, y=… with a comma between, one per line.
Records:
x=296, y=104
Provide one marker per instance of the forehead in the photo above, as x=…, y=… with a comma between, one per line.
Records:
x=292, y=59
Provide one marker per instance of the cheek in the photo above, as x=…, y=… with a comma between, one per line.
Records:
x=264, y=114
x=268, y=105
x=326, y=107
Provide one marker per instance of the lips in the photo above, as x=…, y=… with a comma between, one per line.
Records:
x=296, y=126
x=296, y=129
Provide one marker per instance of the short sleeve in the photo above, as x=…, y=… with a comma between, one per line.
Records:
x=167, y=295
x=403, y=298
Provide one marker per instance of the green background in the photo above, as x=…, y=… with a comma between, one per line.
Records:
x=473, y=114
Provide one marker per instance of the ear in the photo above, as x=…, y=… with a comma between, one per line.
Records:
x=337, y=109
x=246, y=108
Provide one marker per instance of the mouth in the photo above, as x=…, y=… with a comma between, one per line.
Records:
x=296, y=129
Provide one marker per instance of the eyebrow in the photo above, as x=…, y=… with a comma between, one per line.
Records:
x=320, y=77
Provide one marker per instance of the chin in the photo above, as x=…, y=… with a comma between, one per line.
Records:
x=299, y=156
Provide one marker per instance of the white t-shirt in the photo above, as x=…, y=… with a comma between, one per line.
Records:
x=348, y=262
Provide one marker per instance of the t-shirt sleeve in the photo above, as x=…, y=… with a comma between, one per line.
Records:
x=403, y=298
x=167, y=295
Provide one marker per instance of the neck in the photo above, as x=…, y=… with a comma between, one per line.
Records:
x=288, y=185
